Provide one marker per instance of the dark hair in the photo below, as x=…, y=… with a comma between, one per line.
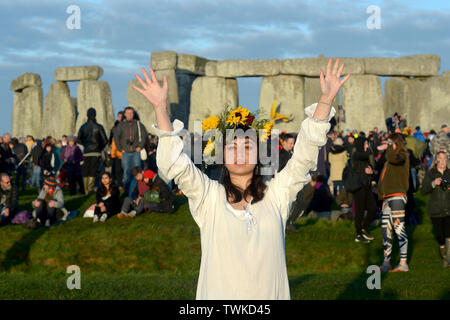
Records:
x=101, y=188
x=418, y=128
x=287, y=136
x=256, y=189
x=135, y=171
x=399, y=141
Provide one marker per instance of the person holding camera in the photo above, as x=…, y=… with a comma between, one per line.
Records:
x=393, y=186
x=437, y=184
x=130, y=136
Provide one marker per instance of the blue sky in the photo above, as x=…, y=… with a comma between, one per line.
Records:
x=120, y=36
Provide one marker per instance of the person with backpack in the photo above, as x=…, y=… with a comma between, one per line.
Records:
x=362, y=197
x=437, y=184
x=393, y=186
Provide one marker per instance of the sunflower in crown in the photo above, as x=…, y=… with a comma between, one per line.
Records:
x=234, y=119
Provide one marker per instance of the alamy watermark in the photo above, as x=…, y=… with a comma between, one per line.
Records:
x=74, y=20
x=74, y=281
x=374, y=281
x=374, y=20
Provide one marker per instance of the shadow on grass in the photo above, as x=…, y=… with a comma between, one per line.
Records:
x=20, y=251
x=358, y=289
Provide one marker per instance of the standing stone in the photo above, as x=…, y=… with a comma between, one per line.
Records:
x=26, y=80
x=59, y=111
x=181, y=110
x=97, y=95
x=424, y=102
x=363, y=103
x=27, y=112
x=415, y=65
x=313, y=92
x=210, y=96
x=78, y=73
x=289, y=92
x=141, y=105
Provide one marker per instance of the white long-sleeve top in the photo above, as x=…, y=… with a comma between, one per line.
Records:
x=243, y=251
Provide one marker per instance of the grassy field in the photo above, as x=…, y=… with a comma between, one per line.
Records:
x=156, y=256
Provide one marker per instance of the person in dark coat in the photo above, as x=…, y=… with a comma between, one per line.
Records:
x=20, y=151
x=108, y=202
x=8, y=200
x=363, y=198
x=47, y=161
x=71, y=156
x=437, y=184
x=93, y=138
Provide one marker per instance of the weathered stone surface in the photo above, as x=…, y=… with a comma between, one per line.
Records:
x=161, y=60
x=311, y=66
x=78, y=73
x=248, y=68
x=415, y=65
x=423, y=102
x=363, y=103
x=289, y=92
x=26, y=80
x=209, y=96
x=446, y=74
x=27, y=112
x=141, y=105
x=181, y=109
x=59, y=115
x=191, y=64
x=211, y=69
x=97, y=95
x=313, y=92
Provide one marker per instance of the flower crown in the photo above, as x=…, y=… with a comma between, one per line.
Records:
x=240, y=118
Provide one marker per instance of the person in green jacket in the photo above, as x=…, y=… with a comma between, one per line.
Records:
x=393, y=186
x=437, y=184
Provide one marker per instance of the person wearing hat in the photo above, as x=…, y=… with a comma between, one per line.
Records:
x=147, y=181
x=71, y=156
x=92, y=136
x=441, y=142
x=49, y=204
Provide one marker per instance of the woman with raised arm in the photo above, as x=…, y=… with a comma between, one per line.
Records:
x=242, y=220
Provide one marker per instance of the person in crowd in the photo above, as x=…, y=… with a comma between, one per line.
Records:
x=7, y=155
x=135, y=206
x=349, y=140
x=71, y=156
x=392, y=189
x=116, y=165
x=8, y=200
x=338, y=159
x=36, y=175
x=286, y=150
x=322, y=198
x=441, y=141
x=437, y=184
x=63, y=141
x=108, y=202
x=20, y=151
x=419, y=134
x=47, y=161
x=165, y=203
x=363, y=198
x=344, y=200
x=57, y=149
x=242, y=220
x=302, y=203
x=130, y=136
x=92, y=136
x=49, y=204
x=152, y=153
x=119, y=119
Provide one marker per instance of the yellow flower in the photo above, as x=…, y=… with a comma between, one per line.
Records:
x=209, y=147
x=210, y=123
x=266, y=131
x=238, y=115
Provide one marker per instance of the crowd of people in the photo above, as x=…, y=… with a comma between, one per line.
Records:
x=369, y=176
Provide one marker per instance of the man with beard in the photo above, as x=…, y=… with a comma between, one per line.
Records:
x=8, y=200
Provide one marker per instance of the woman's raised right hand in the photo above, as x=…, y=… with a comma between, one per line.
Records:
x=154, y=93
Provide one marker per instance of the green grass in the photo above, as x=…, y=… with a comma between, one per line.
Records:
x=156, y=256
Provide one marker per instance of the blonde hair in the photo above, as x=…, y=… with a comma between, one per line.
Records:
x=434, y=164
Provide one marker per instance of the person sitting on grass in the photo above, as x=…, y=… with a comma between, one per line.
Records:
x=134, y=206
x=8, y=199
x=108, y=202
x=159, y=198
x=49, y=204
